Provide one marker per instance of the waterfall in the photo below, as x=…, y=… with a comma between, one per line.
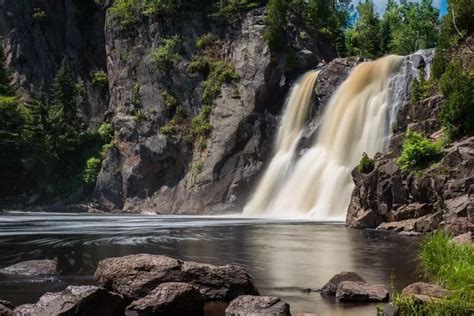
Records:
x=357, y=119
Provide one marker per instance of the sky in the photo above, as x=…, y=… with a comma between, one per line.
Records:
x=442, y=5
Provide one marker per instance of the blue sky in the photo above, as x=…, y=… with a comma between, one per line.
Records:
x=442, y=5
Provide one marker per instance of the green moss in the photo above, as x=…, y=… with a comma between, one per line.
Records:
x=417, y=151
x=165, y=55
x=99, y=78
x=366, y=165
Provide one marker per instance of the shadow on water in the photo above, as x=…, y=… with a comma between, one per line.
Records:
x=284, y=258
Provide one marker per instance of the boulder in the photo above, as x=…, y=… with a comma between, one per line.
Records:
x=6, y=308
x=257, y=305
x=170, y=299
x=78, y=301
x=361, y=292
x=463, y=239
x=32, y=268
x=331, y=286
x=135, y=276
x=425, y=292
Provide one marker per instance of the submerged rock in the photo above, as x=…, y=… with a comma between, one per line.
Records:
x=425, y=292
x=257, y=305
x=76, y=300
x=361, y=292
x=170, y=299
x=32, y=268
x=137, y=275
x=331, y=286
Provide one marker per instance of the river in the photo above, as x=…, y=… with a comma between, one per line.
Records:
x=283, y=257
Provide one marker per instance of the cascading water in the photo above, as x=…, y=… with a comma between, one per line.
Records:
x=357, y=119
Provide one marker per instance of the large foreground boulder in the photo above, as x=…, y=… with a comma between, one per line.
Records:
x=361, y=292
x=330, y=287
x=174, y=298
x=257, y=305
x=425, y=292
x=32, y=268
x=6, y=308
x=77, y=301
x=135, y=276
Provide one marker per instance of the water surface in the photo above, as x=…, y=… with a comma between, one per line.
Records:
x=283, y=257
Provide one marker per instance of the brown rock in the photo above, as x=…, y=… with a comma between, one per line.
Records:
x=463, y=239
x=32, y=268
x=78, y=301
x=331, y=286
x=257, y=305
x=137, y=275
x=361, y=292
x=425, y=292
x=174, y=298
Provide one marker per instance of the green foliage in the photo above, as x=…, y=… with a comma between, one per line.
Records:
x=91, y=170
x=457, y=112
x=99, y=78
x=366, y=38
x=5, y=80
x=140, y=115
x=419, y=87
x=200, y=125
x=366, y=165
x=106, y=132
x=199, y=64
x=170, y=101
x=11, y=122
x=165, y=55
x=178, y=125
x=228, y=10
x=206, y=40
x=219, y=74
x=275, y=24
x=450, y=265
x=39, y=15
x=197, y=167
x=417, y=151
x=440, y=61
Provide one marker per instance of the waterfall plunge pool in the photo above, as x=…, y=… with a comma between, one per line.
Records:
x=283, y=257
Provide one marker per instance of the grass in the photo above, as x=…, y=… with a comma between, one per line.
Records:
x=449, y=265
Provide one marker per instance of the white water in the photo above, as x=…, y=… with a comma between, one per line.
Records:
x=357, y=119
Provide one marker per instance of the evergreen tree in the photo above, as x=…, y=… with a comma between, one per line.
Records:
x=275, y=23
x=368, y=31
x=5, y=80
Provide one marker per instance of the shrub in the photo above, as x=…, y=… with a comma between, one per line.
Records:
x=160, y=7
x=105, y=131
x=169, y=100
x=200, y=125
x=178, y=125
x=275, y=24
x=220, y=73
x=99, y=78
x=39, y=15
x=165, y=55
x=439, y=63
x=123, y=12
x=366, y=165
x=419, y=87
x=457, y=112
x=228, y=11
x=206, y=40
x=140, y=115
x=417, y=151
x=199, y=64
x=91, y=171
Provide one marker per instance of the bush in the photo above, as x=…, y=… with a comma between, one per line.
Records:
x=199, y=64
x=451, y=266
x=91, y=171
x=123, y=13
x=439, y=63
x=457, y=112
x=99, y=78
x=105, y=131
x=366, y=165
x=228, y=11
x=169, y=100
x=220, y=73
x=206, y=40
x=200, y=125
x=417, y=151
x=419, y=87
x=275, y=24
x=178, y=125
x=164, y=56
x=39, y=15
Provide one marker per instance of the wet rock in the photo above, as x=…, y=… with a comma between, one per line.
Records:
x=32, y=268
x=464, y=238
x=137, y=275
x=6, y=308
x=76, y=300
x=417, y=61
x=331, y=286
x=247, y=305
x=174, y=298
x=425, y=292
x=388, y=309
x=361, y=292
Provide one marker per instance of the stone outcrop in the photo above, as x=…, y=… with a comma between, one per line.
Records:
x=418, y=201
x=247, y=305
x=425, y=292
x=32, y=268
x=174, y=298
x=351, y=291
x=135, y=276
x=331, y=286
x=6, y=308
x=76, y=300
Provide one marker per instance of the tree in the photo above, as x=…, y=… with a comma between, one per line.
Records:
x=368, y=30
x=5, y=80
x=275, y=23
x=391, y=21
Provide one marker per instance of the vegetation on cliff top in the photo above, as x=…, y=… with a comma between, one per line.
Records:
x=451, y=266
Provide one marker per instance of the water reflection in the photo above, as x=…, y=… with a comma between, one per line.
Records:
x=283, y=257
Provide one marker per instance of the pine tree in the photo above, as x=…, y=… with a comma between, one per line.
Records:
x=368, y=30
x=5, y=80
x=275, y=23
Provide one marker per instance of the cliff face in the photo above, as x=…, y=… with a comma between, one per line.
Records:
x=38, y=34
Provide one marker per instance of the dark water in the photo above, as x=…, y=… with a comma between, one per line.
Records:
x=283, y=257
